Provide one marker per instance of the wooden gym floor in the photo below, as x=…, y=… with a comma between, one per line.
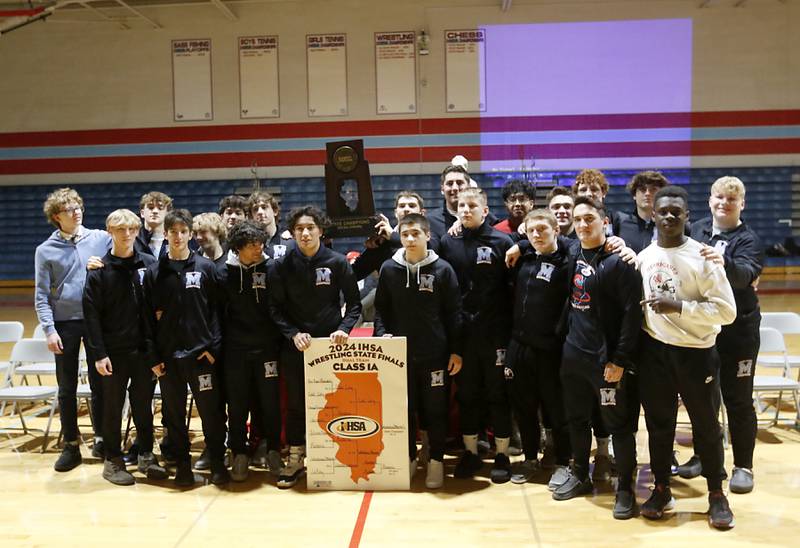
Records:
x=40, y=507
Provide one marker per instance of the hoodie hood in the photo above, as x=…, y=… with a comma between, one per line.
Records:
x=413, y=269
x=233, y=260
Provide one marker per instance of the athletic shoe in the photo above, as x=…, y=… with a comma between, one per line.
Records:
x=132, y=456
x=69, y=458
x=468, y=465
x=573, y=487
x=435, y=476
x=660, y=501
x=523, y=471
x=719, y=512
x=114, y=471
x=184, y=477
x=220, y=474
x=602, y=468
x=261, y=456
x=204, y=461
x=674, y=468
x=501, y=470
x=294, y=469
x=274, y=462
x=741, y=481
x=147, y=464
x=624, y=505
x=240, y=467
x=412, y=469
x=691, y=468
x=560, y=476
x=98, y=449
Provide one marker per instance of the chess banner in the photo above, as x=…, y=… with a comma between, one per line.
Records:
x=357, y=415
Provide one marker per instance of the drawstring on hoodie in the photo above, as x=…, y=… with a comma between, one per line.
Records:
x=399, y=258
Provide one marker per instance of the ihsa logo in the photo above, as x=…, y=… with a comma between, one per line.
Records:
x=353, y=427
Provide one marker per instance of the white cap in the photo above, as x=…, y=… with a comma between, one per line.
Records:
x=459, y=160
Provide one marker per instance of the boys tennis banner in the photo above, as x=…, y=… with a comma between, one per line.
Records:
x=357, y=414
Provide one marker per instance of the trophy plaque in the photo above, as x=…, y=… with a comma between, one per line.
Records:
x=348, y=190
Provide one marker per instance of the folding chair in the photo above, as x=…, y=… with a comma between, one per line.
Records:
x=38, y=332
x=10, y=332
x=772, y=342
x=787, y=323
x=29, y=350
x=48, y=368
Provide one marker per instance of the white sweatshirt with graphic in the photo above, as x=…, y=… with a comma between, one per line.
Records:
x=701, y=286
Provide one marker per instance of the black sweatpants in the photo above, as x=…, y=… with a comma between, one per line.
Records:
x=584, y=386
x=427, y=404
x=292, y=369
x=203, y=379
x=666, y=371
x=534, y=381
x=248, y=372
x=738, y=356
x=482, y=380
x=128, y=367
x=67, y=369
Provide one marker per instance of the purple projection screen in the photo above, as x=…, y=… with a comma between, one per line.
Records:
x=569, y=77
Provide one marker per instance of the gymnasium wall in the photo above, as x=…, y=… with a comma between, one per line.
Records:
x=87, y=101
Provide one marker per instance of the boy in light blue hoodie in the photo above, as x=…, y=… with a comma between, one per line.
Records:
x=60, y=276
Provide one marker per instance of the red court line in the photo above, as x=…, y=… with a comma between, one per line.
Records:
x=355, y=540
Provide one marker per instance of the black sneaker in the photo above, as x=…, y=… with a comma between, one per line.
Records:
x=691, y=468
x=719, y=511
x=220, y=474
x=184, y=477
x=99, y=449
x=624, y=505
x=115, y=472
x=204, y=462
x=147, y=464
x=673, y=469
x=69, y=458
x=660, y=500
x=573, y=487
x=468, y=465
x=501, y=470
x=132, y=456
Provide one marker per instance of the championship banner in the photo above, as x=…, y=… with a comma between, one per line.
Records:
x=357, y=414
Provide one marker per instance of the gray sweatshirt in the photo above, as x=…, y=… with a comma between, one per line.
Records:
x=61, y=273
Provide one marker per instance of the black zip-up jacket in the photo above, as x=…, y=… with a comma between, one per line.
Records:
x=636, y=232
x=112, y=305
x=616, y=290
x=181, y=309
x=244, y=303
x=744, y=261
x=541, y=287
x=478, y=258
x=277, y=247
x=421, y=302
x=371, y=259
x=305, y=293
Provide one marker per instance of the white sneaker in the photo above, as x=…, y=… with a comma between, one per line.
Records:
x=435, y=477
x=240, y=467
x=559, y=477
x=294, y=469
x=274, y=462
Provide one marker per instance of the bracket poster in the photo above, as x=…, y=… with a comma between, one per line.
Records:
x=465, y=70
x=357, y=414
x=258, y=77
x=326, y=59
x=191, y=79
x=396, y=72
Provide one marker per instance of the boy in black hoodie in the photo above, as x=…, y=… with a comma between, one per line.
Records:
x=306, y=285
x=418, y=298
x=478, y=257
x=184, y=340
x=112, y=306
x=603, y=321
x=252, y=345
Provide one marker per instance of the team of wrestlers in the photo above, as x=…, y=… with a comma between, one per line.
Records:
x=551, y=326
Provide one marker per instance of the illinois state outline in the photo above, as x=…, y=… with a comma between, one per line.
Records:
x=357, y=395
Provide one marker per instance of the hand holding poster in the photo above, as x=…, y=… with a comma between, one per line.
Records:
x=356, y=414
